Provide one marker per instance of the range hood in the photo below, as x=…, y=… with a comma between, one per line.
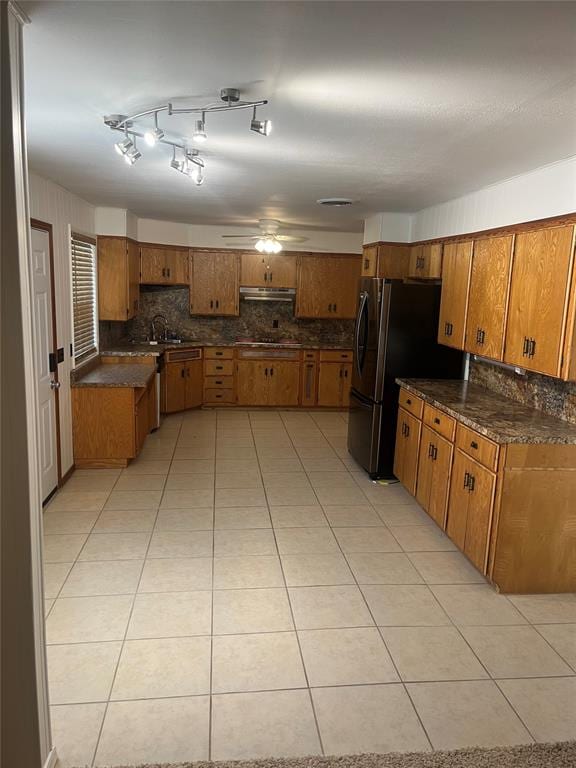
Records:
x=267, y=294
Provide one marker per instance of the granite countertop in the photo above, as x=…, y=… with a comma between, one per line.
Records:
x=155, y=350
x=133, y=375
x=499, y=418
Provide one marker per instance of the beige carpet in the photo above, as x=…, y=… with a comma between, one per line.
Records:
x=559, y=755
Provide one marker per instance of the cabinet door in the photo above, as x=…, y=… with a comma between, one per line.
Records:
x=481, y=488
x=252, y=382
x=425, y=468
x=308, y=384
x=407, y=447
x=488, y=297
x=225, y=286
x=113, y=285
x=194, y=383
x=426, y=261
x=133, y=278
x=538, y=295
x=202, y=294
x=282, y=271
x=369, y=261
x=283, y=382
x=330, y=385
x=459, y=499
x=346, y=369
x=153, y=268
x=393, y=261
x=174, y=387
x=456, y=270
x=440, y=485
x=176, y=265
x=345, y=276
x=254, y=269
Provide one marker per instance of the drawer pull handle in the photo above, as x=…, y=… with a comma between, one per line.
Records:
x=436, y=420
x=408, y=402
x=218, y=381
x=219, y=367
x=474, y=445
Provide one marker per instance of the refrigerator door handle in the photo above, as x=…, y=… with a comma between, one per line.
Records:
x=359, y=359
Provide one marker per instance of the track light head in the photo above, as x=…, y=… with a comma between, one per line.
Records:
x=153, y=136
x=133, y=153
x=262, y=127
x=123, y=146
x=199, y=135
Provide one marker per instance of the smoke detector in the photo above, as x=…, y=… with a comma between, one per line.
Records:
x=334, y=202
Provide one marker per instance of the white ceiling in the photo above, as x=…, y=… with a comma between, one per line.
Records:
x=396, y=105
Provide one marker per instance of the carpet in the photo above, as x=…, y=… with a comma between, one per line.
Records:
x=557, y=755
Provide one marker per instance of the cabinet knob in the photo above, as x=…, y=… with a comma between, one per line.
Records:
x=436, y=420
x=474, y=445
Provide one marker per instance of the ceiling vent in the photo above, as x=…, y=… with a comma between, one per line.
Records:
x=334, y=202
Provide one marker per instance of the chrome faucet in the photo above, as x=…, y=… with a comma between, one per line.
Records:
x=154, y=332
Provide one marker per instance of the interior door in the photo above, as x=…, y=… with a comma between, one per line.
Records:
x=44, y=346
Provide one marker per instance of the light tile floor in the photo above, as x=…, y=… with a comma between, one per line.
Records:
x=243, y=590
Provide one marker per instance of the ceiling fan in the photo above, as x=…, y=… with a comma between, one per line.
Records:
x=269, y=240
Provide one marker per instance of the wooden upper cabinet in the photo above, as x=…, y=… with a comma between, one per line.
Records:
x=214, y=283
x=277, y=270
x=456, y=271
x=488, y=298
x=539, y=293
x=327, y=286
x=369, y=261
x=118, y=274
x=393, y=261
x=425, y=262
x=163, y=266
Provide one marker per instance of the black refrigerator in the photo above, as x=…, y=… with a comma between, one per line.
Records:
x=395, y=336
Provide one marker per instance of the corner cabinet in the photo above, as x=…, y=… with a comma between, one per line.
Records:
x=163, y=265
x=118, y=278
x=327, y=286
x=214, y=283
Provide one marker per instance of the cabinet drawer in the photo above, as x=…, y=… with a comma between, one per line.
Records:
x=217, y=353
x=335, y=355
x=218, y=382
x=440, y=422
x=219, y=396
x=218, y=367
x=478, y=447
x=310, y=354
x=412, y=403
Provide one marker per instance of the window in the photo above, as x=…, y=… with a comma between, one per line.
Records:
x=84, y=296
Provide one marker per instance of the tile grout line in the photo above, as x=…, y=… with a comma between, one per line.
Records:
x=296, y=635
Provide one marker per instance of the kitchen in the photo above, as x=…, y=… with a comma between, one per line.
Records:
x=305, y=381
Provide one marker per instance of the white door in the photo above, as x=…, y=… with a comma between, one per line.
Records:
x=43, y=346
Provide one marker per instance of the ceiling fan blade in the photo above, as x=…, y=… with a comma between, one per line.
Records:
x=291, y=239
x=251, y=237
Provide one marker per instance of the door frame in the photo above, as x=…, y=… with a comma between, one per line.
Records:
x=45, y=226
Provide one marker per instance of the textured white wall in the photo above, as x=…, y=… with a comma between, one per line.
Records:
x=388, y=227
x=53, y=204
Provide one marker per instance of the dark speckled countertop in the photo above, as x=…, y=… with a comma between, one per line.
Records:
x=497, y=417
x=155, y=350
x=133, y=375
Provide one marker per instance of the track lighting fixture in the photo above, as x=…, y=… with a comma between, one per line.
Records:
x=260, y=126
x=199, y=135
x=191, y=164
x=153, y=136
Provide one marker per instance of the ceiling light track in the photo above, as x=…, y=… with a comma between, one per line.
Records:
x=191, y=164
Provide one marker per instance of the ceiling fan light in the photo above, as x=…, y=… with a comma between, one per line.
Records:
x=260, y=245
x=277, y=246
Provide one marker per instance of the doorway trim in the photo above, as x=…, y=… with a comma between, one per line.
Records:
x=45, y=226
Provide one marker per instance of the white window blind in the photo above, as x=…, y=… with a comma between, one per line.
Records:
x=84, y=296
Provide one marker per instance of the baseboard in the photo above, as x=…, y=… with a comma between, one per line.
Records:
x=52, y=759
x=67, y=475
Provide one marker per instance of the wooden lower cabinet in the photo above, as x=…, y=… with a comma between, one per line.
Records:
x=470, y=508
x=181, y=385
x=334, y=381
x=407, y=448
x=434, y=468
x=268, y=382
x=309, y=380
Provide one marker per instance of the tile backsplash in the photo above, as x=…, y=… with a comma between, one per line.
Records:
x=555, y=397
x=256, y=319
